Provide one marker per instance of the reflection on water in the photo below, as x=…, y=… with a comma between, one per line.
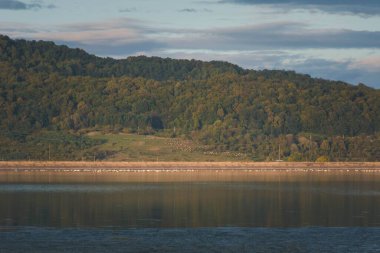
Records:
x=190, y=199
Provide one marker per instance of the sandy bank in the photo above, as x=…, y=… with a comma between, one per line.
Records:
x=127, y=166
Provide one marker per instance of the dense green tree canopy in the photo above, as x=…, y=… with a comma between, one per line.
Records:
x=262, y=113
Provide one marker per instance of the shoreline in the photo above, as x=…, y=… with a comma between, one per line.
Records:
x=81, y=166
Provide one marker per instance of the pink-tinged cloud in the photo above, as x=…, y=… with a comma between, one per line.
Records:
x=106, y=37
x=371, y=63
x=113, y=32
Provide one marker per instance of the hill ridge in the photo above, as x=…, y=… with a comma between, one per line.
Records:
x=54, y=92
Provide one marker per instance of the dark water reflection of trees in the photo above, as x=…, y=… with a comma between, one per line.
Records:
x=190, y=199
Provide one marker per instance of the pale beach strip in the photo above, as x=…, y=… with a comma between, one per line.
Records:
x=184, y=166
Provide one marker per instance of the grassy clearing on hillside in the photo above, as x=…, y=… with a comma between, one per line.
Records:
x=133, y=147
x=46, y=145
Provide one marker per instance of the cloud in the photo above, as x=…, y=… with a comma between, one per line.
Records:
x=125, y=31
x=280, y=35
x=121, y=50
x=350, y=71
x=270, y=36
x=118, y=37
x=192, y=10
x=188, y=10
x=16, y=30
x=278, y=45
x=17, y=5
x=128, y=10
x=371, y=63
x=248, y=59
x=362, y=7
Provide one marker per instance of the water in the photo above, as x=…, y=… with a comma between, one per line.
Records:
x=205, y=211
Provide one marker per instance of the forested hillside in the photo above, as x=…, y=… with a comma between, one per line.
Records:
x=54, y=94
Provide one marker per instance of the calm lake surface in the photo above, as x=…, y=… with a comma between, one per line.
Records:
x=144, y=209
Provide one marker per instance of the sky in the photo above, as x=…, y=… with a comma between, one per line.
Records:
x=331, y=39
